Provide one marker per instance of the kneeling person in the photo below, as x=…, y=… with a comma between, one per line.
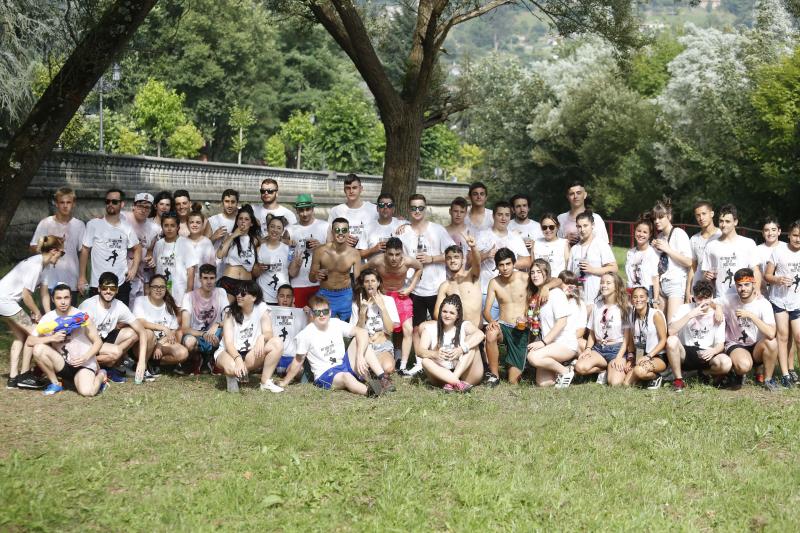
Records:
x=201, y=317
x=287, y=322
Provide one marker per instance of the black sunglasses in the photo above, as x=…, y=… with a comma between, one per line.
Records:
x=112, y=201
x=384, y=205
x=268, y=191
x=548, y=227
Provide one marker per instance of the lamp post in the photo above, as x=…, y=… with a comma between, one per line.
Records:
x=116, y=75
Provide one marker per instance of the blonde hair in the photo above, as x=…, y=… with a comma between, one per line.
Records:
x=64, y=191
x=49, y=243
x=620, y=296
x=662, y=208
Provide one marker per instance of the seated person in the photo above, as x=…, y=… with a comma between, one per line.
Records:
x=377, y=313
x=118, y=329
x=322, y=341
x=73, y=356
x=649, y=341
x=448, y=348
x=159, y=314
x=287, y=322
x=201, y=317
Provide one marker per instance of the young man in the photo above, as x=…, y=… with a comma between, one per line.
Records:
x=287, y=323
x=377, y=233
x=750, y=331
x=590, y=258
x=221, y=224
x=478, y=217
x=109, y=240
x=528, y=229
x=63, y=225
x=704, y=215
x=464, y=283
x=270, y=206
x=70, y=356
x=696, y=341
x=201, y=318
x=147, y=232
x=457, y=229
x=331, y=266
x=393, y=267
x=118, y=329
x=510, y=289
x=576, y=195
x=306, y=236
x=322, y=341
x=183, y=205
x=729, y=253
x=358, y=212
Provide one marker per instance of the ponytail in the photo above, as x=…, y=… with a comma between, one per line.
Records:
x=48, y=243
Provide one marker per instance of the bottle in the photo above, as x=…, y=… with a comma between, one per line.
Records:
x=291, y=252
x=420, y=246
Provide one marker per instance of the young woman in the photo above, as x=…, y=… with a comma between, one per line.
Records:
x=590, y=258
x=675, y=259
x=174, y=258
x=579, y=313
x=552, y=248
x=641, y=263
x=203, y=248
x=247, y=341
x=273, y=259
x=608, y=329
x=449, y=348
x=771, y=231
x=649, y=341
x=160, y=315
x=19, y=286
x=783, y=276
x=239, y=252
x=557, y=343
x=162, y=204
x=377, y=313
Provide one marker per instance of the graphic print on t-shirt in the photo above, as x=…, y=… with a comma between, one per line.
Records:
x=244, y=337
x=699, y=328
x=726, y=266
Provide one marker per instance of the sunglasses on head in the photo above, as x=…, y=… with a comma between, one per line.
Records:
x=321, y=312
x=112, y=201
x=341, y=230
x=385, y=205
x=549, y=227
x=268, y=191
x=417, y=208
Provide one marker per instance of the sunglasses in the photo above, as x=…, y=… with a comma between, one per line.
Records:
x=158, y=287
x=112, y=201
x=417, y=208
x=385, y=205
x=269, y=191
x=112, y=288
x=321, y=312
x=243, y=293
x=341, y=231
x=549, y=227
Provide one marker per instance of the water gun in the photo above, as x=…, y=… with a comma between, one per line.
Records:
x=67, y=324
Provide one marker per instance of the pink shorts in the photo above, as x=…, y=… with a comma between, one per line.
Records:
x=405, y=308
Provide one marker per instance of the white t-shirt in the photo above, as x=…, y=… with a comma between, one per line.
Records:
x=487, y=223
x=449, y=341
x=764, y=254
x=725, y=257
x=143, y=309
x=375, y=232
x=700, y=331
x=205, y=254
x=246, y=258
x=75, y=344
x=606, y=323
x=106, y=320
x=110, y=245
x=579, y=316
x=323, y=349
x=558, y=307
x=567, y=225
x=374, y=321
x=220, y=221
x=678, y=240
x=287, y=323
x=433, y=241
x=597, y=253
x=317, y=230
x=147, y=232
x=66, y=270
x=359, y=218
x=173, y=259
x=246, y=333
x=787, y=264
x=487, y=240
x=698, y=244
x=204, y=312
x=553, y=253
x=741, y=330
x=26, y=275
x=275, y=262
x=645, y=334
x=529, y=230
x=641, y=266
x=261, y=215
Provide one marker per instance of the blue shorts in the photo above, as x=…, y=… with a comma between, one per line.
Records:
x=203, y=346
x=608, y=351
x=793, y=315
x=283, y=364
x=341, y=301
x=325, y=381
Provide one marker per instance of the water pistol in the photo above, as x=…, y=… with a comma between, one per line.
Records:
x=67, y=324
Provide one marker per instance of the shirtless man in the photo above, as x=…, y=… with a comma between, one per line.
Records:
x=510, y=288
x=457, y=227
x=331, y=265
x=393, y=266
x=464, y=283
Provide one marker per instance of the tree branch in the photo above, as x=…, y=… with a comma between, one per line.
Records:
x=458, y=19
x=443, y=114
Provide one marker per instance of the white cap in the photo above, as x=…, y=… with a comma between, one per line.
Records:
x=143, y=197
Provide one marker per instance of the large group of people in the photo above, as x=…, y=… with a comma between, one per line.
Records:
x=348, y=302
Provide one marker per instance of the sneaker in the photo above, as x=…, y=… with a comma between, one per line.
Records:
x=667, y=375
x=374, y=388
x=148, y=376
x=29, y=381
x=678, y=385
x=12, y=383
x=154, y=369
x=271, y=386
x=655, y=384
x=759, y=378
x=735, y=381
x=448, y=388
x=53, y=388
x=703, y=379
x=115, y=375
x=403, y=373
x=462, y=386
x=771, y=385
x=387, y=384
x=232, y=383
x=602, y=378
x=794, y=376
x=564, y=380
x=787, y=382
x=104, y=385
x=181, y=370
x=490, y=380
x=414, y=370
x=215, y=370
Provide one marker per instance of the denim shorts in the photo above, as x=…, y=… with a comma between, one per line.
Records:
x=608, y=351
x=793, y=315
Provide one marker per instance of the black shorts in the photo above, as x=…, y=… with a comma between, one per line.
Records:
x=693, y=360
x=732, y=347
x=111, y=338
x=422, y=306
x=231, y=285
x=69, y=371
x=123, y=292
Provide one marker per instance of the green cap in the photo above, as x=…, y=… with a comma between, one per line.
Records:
x=304, y=200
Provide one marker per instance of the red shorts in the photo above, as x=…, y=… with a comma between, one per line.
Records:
x=302, y=294
x=405, y=308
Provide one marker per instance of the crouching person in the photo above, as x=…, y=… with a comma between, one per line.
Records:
x=356, y=369
x=68, y=353
x=159, y=314
x=201, y=313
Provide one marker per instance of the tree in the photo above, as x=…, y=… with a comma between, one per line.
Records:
x=298, y=131
x=241, y=118
x=185, y=142
x=36, y=137
x=439, y=151
x=158, y=111
x=275, y=151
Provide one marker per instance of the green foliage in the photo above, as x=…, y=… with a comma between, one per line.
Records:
x=240, y=119
x=185, y=142
x=440, y=147
x=649, y=74
x=77, y=136
x=158, y=111
x=130, y=142
x=275, y=151
x=299, y=129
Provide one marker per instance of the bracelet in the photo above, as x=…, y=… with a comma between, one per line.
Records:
x=544, y=341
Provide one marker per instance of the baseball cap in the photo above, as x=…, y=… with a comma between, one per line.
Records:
x=304, y=200
x=143, y=197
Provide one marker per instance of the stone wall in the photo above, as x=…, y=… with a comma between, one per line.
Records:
x=91, y=174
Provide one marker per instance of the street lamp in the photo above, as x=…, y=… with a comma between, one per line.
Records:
x=116, y=75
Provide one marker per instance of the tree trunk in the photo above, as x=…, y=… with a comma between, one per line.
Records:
x=402, y=163
x=21, y=158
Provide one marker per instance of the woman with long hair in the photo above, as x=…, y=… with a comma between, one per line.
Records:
x=377, y=313
x=162, y=204
x=174, y=258
x=784, y=280
x=675, y=258
x=448, y=347
x=641, y=262
x=273, y=259
x=551, y=247
x=579, y=313
x=605, y=352
x=649, y=338
x=239, y=252
x=554, y=343
x=201, y=245
x=771, y=231
x=160, y=316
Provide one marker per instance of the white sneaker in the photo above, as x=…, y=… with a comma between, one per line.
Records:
x=414, y=370
x=271, y=386
x=602, y=378
x=233, y=384
x=654, y=384
x=563, y=380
